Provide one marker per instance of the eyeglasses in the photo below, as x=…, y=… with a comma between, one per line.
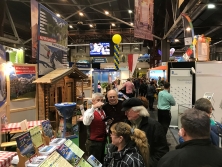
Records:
x=112, y=97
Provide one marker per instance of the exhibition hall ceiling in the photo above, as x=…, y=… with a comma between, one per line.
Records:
x=96, y=24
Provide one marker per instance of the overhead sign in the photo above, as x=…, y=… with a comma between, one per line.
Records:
x=83, y=65
x=99, y=60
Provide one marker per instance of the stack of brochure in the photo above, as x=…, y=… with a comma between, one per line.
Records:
x=57, y=142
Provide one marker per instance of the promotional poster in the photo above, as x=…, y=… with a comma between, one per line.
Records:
x=21, y=78
x=3, y=83
x=53, y=40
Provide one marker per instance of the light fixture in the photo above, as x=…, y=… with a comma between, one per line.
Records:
x=131, y=24
x=91, y=25
x=70, y=26
x=106, y=12
x=130, y=11
x=176, y=40
x=210, y=6
x=113, y=24
x=58, y=15
x=188, y=28
x=139, y=68
x=80, y=13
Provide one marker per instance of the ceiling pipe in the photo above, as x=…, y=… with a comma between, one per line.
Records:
x=190, y=5
x=137, y=43
x=212, y=30
x=197, y=12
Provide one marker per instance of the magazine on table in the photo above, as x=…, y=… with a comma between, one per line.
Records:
x=47, y=129
x=55, y=160
x=83, y=163
x=74, y=148
x=57, y=141
x=70, y=156
x=35, y=162
x=36, y=136
x=47, y=150
x=94, y=162
x=25, y=145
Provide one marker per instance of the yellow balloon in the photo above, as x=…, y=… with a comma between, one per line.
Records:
x=116, y=39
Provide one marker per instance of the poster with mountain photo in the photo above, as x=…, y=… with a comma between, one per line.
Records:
x=3, y=83
x=53, y=41
x=21, y=78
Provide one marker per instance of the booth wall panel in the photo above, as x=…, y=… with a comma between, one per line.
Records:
x=209, y=79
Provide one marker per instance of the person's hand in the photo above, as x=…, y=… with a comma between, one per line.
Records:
x=98, y=104
x=109, y=121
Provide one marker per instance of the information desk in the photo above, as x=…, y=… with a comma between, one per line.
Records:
x=6, y=158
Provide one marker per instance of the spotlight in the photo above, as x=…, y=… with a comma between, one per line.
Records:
x=188, y=28
x=176, y=40
x=113, y=24
x=91, y=25
x=58, y=15
x=130, y=11
x=70, y=26
x=80, y=13
x=106, y=12
x=210, y=6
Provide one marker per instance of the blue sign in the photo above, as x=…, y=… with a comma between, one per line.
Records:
x=83, y=65
x=80, y=65
x=99, y=60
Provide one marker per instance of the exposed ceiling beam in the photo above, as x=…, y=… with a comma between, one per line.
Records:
x=85, y=6
x=112, y=17
x=190, y=5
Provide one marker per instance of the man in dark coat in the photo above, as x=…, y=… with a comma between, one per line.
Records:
x=138, y=117
x=197, y=150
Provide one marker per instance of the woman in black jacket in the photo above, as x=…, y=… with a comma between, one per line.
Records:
x=129, y=147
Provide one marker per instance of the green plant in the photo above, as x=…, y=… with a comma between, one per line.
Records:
x=104, y=85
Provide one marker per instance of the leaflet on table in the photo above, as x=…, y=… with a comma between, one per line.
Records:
x=94, y=162
x=70, y=156
x=55, y=160
x=83, y=163
x=47, y=129
x=74, y=148
x=25, y=145
x=47, y=150
x=36, y=136
x=57, y=141
x=35, y=162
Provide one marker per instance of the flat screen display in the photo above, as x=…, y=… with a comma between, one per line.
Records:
x=100, y=49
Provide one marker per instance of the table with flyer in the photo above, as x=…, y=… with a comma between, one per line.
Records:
x=12, y=128
x=5, y=158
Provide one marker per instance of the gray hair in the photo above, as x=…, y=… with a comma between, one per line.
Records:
x=142, y=111
x=95, y=95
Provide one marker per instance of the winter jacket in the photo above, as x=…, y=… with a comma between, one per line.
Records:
x=193, y=153
x=156, y=139
x=128, y=157
x=151, y=90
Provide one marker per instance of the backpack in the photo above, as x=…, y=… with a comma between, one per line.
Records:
x=217, y=129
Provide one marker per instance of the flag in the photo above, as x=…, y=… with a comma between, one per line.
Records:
x=132, y=61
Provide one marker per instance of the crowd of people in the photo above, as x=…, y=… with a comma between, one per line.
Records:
x=122, y=133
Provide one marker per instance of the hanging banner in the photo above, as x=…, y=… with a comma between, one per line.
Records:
x=34, y=27
x=53, y=40
x=143, y=22
x=132, y=62
x=3, y=84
